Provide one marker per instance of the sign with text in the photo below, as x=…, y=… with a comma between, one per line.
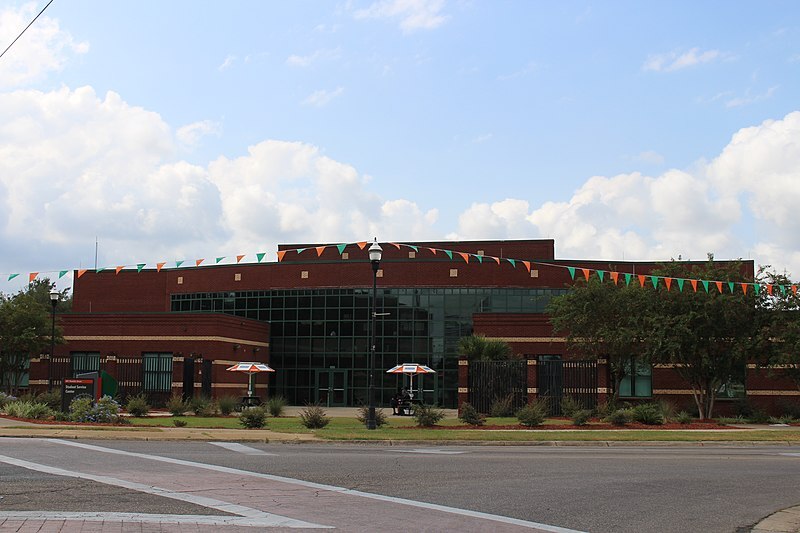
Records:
x=75, y=388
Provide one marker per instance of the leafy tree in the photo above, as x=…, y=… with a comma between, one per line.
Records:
x=479, y=348
x=706, y=334
x=603, y=320
x=25, y=328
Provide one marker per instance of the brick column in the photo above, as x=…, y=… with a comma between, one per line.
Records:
x=463, y=382
x=109, y=364
x=602, y=381
x=39, y=373
x=532, y=378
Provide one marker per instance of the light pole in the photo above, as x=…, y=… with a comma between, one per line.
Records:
x=54, y=297
x=375, y=252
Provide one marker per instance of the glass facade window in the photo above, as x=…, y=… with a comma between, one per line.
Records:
x=315, y=330
x=85, y=362
x=156, y=372
x=638, y=380
x=734, y=386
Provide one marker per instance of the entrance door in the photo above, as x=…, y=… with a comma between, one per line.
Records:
x=188, y=378
x=332, y=387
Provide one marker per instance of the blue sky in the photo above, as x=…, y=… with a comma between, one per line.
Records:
x=173, y=130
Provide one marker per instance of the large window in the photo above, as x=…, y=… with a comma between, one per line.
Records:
x=157, y=376
x=638, y=380
x=734, y=386
x=85, y=362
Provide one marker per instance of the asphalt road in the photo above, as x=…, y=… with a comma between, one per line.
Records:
x=616, y=489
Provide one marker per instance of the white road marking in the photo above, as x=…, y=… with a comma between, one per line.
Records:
x=320, y=486
x=428, y=450
x=790, y=454
x=196, y=519
x=253, y=515
x=240, y=448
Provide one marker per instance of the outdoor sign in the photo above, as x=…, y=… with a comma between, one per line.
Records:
x=76, y=388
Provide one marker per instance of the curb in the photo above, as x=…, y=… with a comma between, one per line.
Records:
x=785, y=521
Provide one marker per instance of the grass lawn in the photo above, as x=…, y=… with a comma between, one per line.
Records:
x=403, y=429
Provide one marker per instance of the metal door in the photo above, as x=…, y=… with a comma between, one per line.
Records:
x=557, y=379
x=332, y=387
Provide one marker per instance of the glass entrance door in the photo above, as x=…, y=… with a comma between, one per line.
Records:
x=332, y=387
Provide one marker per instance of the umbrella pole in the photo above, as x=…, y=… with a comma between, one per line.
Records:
x=250, y=384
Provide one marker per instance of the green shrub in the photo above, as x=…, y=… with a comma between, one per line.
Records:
x=6, y=399
x=427, y=415
x=29, y=409
x=684, y=418
x=727, y=420
x=780, y=420
x=501, y=407
x=790, y=409
x=203, y=406
x=647, y=413
x=276, y=406
x=313, y=417
x=533, y=414
x=581, y=417
x=620, y=417
x=569, y=406
x=253, y=418
x=176, y=405
x=227, y=404
x=51, y=399
x=470, y=415
x=604, y=409
x=137, y=405
x=106, y=410
x=668, y=409
x=179, y=422
x=363, y=414
x=758, y=416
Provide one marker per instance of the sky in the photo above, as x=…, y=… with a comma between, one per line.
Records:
x=156, y=131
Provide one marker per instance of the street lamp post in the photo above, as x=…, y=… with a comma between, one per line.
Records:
x=375, y=252
x=54, y=297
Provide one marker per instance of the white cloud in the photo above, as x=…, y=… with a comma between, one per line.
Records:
x=413, y=14
x=191, y=134
x=228, y=63
x=480, y=139
x=672, y=61
x=750, y=98
x=323, y=97
x=43, y=48
x=650, y=157
x=318, y=55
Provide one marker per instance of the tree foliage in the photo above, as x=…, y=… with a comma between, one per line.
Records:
x=479, y=348
x=25, y=329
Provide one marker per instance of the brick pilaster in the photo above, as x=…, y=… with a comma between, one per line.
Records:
x=463, y=382
x=532, y=379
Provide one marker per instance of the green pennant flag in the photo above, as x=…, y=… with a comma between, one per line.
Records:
x=571, y=272
x=731, y=285
x=705, y=284
x=449, y=254
x=218, y=259
x=12, y=276
x=757, y=288
x=513, y=262
x=415, y=248
x=681, y=281
x=601, y=274
x=628, y=279
x=783, y=289
x=654, y=279
x=341, y=248
x=103, y=268
x=62, y=273
x=140, y=266
x=178, y=263
x=478, y=257
x=261, y=256
x=300, y=251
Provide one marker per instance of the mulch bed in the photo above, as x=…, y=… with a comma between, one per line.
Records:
x=590, y=427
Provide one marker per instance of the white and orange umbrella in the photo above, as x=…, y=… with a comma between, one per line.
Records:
x=411, y=369
x=251, y=369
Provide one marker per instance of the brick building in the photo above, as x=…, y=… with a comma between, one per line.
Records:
x=308, y=316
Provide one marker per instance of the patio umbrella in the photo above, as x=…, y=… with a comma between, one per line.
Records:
x=251, y=369
x=411, y=369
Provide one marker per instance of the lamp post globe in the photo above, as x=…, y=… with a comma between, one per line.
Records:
x=55, y=296
x=375, y=253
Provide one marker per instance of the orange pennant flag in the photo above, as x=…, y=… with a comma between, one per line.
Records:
x=527, y=265
x=769, y=289
x=464, y=255
x=198, y=261
x=119, y=268
x=586, y=273
x=362, y=244
x=496, y=259
x=320, y=249
x=794, y=289
x=641, y=280
x=81, y=272
x=281, y=253
x=615, y=277
x=433, y=250
x=744, y=288
x=239, y=258
x=719, y=286
x=694, y=284
x=159, y=266
x=395, y=245
x=668, y=281
x=32, y=276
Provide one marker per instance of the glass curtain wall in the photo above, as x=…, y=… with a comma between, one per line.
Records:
x=321, y=337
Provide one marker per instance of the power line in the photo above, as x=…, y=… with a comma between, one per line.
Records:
x=26, y=28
